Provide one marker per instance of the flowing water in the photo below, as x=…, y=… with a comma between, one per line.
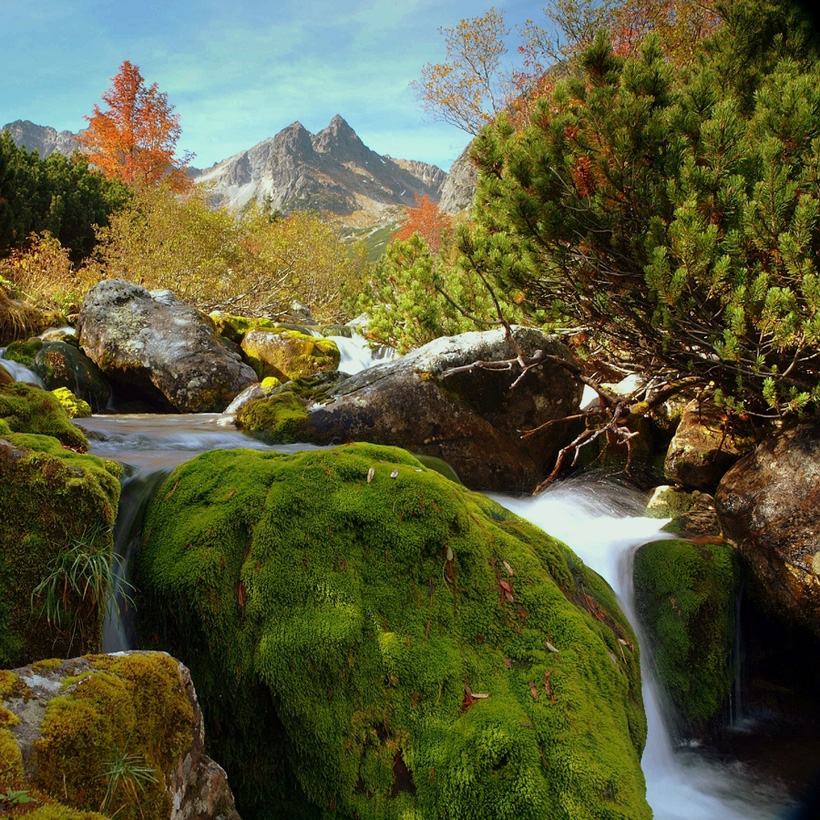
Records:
x=357, y=354
x=603, y=523
x=19, y=372
x=600, y=520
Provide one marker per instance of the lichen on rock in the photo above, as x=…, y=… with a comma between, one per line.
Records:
x=369, y=639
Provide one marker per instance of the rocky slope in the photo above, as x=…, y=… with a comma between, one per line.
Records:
x=332, y=170
x=41, y=138
x=458, y=190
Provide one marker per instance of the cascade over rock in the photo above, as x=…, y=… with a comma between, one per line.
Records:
x=471, y=419
x=158, y=344
x=769, y=505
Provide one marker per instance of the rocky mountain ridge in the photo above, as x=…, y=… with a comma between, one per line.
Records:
x=332, y=170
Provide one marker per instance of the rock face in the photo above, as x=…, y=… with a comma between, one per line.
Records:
x=160, y=346
x=769, y=505
x=64, y=365
x=471, y=419
x=375, y=635
x=458, y=191
x=43, y=139
x=68, y=723
x=701, y=451
x=332, y=170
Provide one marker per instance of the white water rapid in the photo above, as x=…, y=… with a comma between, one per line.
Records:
x=19, y=372
x=602, y=522
x=357, y=354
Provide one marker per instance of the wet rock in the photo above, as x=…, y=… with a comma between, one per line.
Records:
x=702, y=449
x=769, y=505
x=693, y=513
x=68, y=724
x=61, y=364
x=471, y=419
x=153, y=344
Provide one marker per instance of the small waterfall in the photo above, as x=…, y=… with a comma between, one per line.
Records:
x=357, y=354
x=603, y=523
x=19, y=372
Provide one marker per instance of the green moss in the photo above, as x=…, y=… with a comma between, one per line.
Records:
x=74, y=407
x=24, y=352
x=270, y=383
x=279, y=418
x=50, y=497
x=28, y=409
x=235, y=327
x=133, y=703
x=290, y=354
x=336, y=606
x=11, y=760
x=686, y=599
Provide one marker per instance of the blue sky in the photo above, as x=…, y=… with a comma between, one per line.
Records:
x=239, y=71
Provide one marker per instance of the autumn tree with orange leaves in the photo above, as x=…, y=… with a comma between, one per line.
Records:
x=428, y=221
x=135, y=138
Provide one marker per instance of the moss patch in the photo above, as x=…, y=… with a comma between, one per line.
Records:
x=235, y=327
x=24, y=352
x=280, y=418
x=289, y=354
x=62, y=364
x=75, y=408
x=51, y=498
x=28, y=409
x=132, y=706
x=686, y=600
x=377, y=647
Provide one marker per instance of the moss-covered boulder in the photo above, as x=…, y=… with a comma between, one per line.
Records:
x=58, y=511
x=685, y=593
x=63, y=364
x=29, y=409
x=289, y=354
x=24, y=351
x=235, y=327
x=370, y=639
x=108, y=736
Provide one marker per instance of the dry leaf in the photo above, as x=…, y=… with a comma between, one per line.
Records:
x=533, y=690
x=508, y=663
x=550, y=646
x=471, y=697
x=370, y=473
x=548, y=687
x=509, y=569
x=394, y=474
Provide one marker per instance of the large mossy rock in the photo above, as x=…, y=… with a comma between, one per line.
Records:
x=108, y=736
x=471, y=418
x=289, y=354
x=57, y=513
x=769, y=505
x=370, y=639
x=685, y=594
x=154, y=345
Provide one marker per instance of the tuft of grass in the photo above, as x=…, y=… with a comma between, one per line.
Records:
x=127, y=777
x=80, y=579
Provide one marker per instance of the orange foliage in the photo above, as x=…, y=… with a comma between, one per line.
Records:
x=425, y=219
x=134, y=140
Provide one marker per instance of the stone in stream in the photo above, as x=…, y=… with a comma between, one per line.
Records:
x=154, y=344
x=701, y=450
x=68, y=726
x=769, y=505
x=379, y=638
x=685, y=597
x=472, y=419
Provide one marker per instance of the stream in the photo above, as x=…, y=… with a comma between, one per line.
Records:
x=600, y=520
